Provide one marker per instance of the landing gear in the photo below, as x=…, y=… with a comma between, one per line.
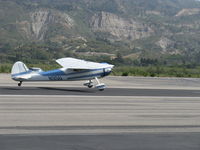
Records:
x=100, y=86
x=20, y=83
x=89, y=84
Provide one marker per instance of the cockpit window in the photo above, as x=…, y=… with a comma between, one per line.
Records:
x=77, y=70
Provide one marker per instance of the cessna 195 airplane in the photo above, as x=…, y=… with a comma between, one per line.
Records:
x=73, y=70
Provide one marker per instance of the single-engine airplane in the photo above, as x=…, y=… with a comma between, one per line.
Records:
x=72, y=70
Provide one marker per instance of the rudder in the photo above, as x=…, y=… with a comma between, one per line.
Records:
x=19, y=67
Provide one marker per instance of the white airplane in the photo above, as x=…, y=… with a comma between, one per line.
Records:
x=73, y=70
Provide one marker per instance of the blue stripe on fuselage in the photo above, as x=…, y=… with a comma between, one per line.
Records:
x=21, y=73
x=102, y=74
x=58, y=72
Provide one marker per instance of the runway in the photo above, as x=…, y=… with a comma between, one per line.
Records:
x=6, y=90
x=137, y=141
x=132, y=113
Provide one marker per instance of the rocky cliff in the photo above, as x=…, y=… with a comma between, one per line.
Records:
x=119, y=28
x=188, y=12
x=39, y=21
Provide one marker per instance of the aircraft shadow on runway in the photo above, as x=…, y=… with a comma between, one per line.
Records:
x=12, y=88
x=43, y=89
x=68, y=90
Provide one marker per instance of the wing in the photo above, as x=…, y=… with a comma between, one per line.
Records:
x=72, y=63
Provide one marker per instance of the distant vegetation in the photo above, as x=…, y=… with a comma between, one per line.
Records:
x=43, y=56
x=143, y=67
x=158, y=71
x=5, y=68
x=148, y=71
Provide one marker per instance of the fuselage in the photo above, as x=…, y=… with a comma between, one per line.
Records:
x=61, y=74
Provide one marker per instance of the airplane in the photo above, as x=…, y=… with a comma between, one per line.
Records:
x=72, y=70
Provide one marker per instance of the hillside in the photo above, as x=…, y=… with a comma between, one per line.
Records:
x=167, y=31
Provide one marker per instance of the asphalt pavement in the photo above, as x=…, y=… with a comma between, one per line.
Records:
x=132, y=113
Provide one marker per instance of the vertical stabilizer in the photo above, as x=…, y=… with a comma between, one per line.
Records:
x=19, y=67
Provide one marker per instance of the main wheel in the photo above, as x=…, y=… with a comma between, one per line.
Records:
x=100, y=86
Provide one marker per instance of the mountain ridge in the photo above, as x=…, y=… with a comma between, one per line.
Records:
x=128, y=27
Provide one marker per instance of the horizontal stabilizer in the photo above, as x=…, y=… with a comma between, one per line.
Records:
x=23, y=77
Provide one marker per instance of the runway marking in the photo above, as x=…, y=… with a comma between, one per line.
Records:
x=78, y=96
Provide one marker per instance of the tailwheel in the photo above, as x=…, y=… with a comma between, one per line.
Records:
x=20, y=83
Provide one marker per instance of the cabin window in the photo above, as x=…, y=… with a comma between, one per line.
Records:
x=77, y=70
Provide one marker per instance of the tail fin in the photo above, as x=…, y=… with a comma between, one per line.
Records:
x=19, y=67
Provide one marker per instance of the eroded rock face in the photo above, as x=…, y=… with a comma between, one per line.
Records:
x=119, y=27
x=188, y=12
x=164, y=43
x=39, y=21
